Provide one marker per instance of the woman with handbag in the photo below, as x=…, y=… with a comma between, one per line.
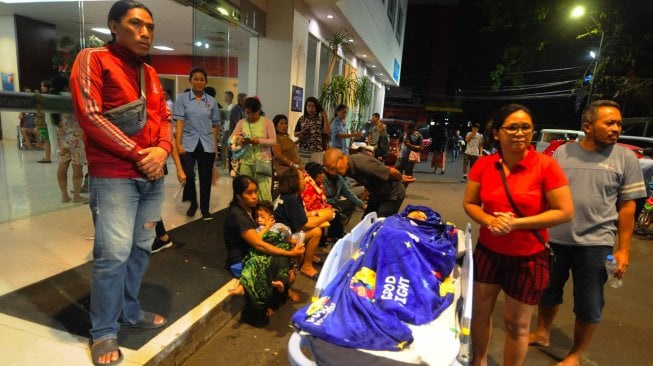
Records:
x=514, y=195
x=258, y=138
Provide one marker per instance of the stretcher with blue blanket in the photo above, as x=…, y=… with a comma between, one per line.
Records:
x=394, y=291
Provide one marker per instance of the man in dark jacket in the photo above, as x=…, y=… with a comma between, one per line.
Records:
x=384, y=183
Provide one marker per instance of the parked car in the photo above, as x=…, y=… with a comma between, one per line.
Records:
x=395, y=128
x=643, y=142
x=543, y=137
x=554, y=144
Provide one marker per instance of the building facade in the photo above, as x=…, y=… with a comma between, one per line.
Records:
x=282, y=51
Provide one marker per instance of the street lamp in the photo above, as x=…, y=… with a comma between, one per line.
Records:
x=578, y=12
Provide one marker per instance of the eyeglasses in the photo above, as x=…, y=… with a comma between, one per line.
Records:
x=525, y=128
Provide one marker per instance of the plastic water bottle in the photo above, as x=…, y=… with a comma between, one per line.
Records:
x=611, y=265
x=298, y=238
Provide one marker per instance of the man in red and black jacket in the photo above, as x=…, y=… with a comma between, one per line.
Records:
x=125, y=169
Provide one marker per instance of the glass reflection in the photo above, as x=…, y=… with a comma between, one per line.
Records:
x=52, y=37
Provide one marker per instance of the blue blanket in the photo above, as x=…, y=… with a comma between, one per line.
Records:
x=400, y=274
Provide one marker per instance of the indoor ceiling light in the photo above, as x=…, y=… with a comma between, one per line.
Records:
x=364, y=55
x=164, y=48
x=351, y=40
x=198, y=43
x=101, y=30
x=372, y=66
x=223, y=11
x=206, y=45
x=330, y=16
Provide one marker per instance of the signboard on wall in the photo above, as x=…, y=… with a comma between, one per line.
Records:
x=297, y=98
x=396, y=71
x=8, y=81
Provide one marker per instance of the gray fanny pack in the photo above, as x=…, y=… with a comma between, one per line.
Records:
x=131, y=117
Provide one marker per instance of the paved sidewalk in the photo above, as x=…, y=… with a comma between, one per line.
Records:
x=620, y=340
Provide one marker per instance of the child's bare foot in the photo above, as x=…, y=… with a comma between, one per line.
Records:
x=238, y=290
x=65, y=198
x=80, y=199
x=293, y=296
x=278, y=285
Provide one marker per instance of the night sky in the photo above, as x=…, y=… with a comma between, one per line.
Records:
x=469, y=57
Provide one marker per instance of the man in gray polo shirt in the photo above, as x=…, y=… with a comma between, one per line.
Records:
x=387, y=192
x=373, y=133
x=605, y=180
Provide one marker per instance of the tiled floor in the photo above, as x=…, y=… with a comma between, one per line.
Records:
x=40, y=237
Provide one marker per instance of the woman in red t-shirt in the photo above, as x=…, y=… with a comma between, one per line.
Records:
x=511, y=253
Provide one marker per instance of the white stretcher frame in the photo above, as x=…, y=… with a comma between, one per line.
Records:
x=343, y=250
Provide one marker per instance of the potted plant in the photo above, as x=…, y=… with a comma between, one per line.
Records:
x=362, y=100
x=67, y=50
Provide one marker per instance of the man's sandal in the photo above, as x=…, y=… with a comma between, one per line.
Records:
x=105, y=347
x=147, y=321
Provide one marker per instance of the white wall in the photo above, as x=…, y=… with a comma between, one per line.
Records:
x=369, y=19
x=8, y=64
x=282, y=58
x=247, y=82
x=299, y=59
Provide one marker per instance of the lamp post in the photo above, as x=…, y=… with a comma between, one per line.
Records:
x=596, y=64
x=578, y=12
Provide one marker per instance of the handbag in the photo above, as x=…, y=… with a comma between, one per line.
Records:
x=261, y=166
x=518, y=212
x=131, y=117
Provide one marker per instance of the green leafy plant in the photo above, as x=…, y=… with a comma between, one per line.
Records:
x=67, y=50
x=339, y=40
x=362, y=100
x=339, y=90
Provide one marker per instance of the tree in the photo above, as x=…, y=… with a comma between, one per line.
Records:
x=541, y=36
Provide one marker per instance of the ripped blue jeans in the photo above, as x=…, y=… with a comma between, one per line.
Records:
x=125, y=212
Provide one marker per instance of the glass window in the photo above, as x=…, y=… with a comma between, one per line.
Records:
x=400, y=23
x=41, y=42
x=392, y=9
x=223, y=50
x=311, y=65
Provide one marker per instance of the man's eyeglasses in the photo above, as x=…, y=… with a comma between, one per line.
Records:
x=525, y=128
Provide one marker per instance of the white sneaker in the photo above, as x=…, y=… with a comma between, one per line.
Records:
x=159, y=245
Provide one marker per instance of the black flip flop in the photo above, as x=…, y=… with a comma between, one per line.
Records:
x=102, y=348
